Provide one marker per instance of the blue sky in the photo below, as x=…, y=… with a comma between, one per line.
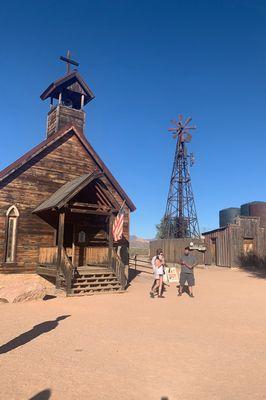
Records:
x=146, y=62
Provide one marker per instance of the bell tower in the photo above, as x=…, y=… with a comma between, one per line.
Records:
x=68, y=96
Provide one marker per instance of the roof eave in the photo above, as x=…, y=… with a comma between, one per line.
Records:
x=40, y=147
x=53, y=86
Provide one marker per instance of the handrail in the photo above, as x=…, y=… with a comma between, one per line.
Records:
x=118, y=268
x=67, y=270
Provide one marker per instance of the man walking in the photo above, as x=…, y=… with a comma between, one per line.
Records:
x=188, y=262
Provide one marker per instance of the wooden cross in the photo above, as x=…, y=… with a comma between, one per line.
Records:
x=68, y=61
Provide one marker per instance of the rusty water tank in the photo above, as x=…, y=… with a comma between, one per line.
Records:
x=228, y=215
x=258, y=209
x=255, y=209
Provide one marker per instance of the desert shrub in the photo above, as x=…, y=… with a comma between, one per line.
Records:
x=253, y=260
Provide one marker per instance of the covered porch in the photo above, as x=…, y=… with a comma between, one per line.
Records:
x=82, y=213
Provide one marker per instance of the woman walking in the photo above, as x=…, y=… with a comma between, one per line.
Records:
x=158, y=270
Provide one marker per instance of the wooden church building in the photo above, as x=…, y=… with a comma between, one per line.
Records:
x=58, y=202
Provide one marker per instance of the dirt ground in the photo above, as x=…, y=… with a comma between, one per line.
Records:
x=128, y=346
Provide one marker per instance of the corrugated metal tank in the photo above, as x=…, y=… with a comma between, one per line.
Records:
x=227, y=216
x=255, y=209
x=244, y=210
x=258, y=209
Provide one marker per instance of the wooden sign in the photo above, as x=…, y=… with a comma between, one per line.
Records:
x=171, y=275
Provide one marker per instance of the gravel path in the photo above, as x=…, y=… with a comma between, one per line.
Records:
x=128, y=346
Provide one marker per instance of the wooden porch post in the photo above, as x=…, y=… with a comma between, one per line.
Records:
x=60, y=242
x=110, y=239
x=82, y=102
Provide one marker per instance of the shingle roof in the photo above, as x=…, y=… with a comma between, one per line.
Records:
x=59, y=84
x=67, y=192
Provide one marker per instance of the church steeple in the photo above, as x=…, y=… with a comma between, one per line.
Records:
x=68, y=96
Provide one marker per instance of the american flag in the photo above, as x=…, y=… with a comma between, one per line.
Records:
x=118, y=224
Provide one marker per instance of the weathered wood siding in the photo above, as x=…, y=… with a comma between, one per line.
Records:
x=174, y=249
x=31, y=185
x=60, y=116
x=230, y=241
x=96, y=255
x=48, y=255
x=221, y=238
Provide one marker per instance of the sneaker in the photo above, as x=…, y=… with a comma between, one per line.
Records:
x=161, y=297
x=191, y=295
x=152, y=295
x=179, y=294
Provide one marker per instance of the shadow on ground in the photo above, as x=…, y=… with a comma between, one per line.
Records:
x=185, y=289
x=49, y=297
x=132, y=274
x=43, y=395
x=32, y=334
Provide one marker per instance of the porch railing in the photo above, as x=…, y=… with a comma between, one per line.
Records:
x=67, y=270
x=48, y=258
x=48, y=255
x=119, y=269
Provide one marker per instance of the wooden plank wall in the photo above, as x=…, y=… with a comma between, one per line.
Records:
x=174, y=248
x=96, y=255
x=48, y=255
x=32, y=184
x=222, y=248
x=67, y=115
x=230, y=241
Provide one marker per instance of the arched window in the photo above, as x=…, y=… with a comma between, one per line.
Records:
x=11, y=233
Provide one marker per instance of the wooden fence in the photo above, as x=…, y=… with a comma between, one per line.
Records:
x=174, y=248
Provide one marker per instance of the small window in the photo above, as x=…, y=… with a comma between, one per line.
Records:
x=248, y=246
x=11, y=233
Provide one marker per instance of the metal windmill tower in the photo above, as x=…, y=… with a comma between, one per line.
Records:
x=180, y=219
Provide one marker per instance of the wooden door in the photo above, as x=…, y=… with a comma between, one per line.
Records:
x=97, y=255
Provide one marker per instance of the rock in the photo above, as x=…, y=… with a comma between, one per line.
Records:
x=21, y=290
x=33, y=292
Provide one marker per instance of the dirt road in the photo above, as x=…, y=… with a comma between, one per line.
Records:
x=128, y=346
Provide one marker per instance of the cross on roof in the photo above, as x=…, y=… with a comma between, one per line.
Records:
x=68, y=61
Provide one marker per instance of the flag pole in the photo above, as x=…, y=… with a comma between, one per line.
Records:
x=122, y=206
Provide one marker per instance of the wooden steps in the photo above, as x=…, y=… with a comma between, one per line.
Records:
x=88, y=280
x=94, y=279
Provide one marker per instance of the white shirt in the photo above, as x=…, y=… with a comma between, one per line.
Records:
x=153, y=263
x=156, y=270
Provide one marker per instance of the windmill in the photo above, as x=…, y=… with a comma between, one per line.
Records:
x=180, y=219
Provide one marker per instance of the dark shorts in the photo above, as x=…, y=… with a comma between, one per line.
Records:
x=187, y=277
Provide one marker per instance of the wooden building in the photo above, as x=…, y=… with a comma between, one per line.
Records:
x=230, y=245
x=58, y=202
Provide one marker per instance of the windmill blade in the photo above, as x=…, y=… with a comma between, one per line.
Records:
x=182, y=129
x=187, y=121
x=174, y=121
x=187, y=129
